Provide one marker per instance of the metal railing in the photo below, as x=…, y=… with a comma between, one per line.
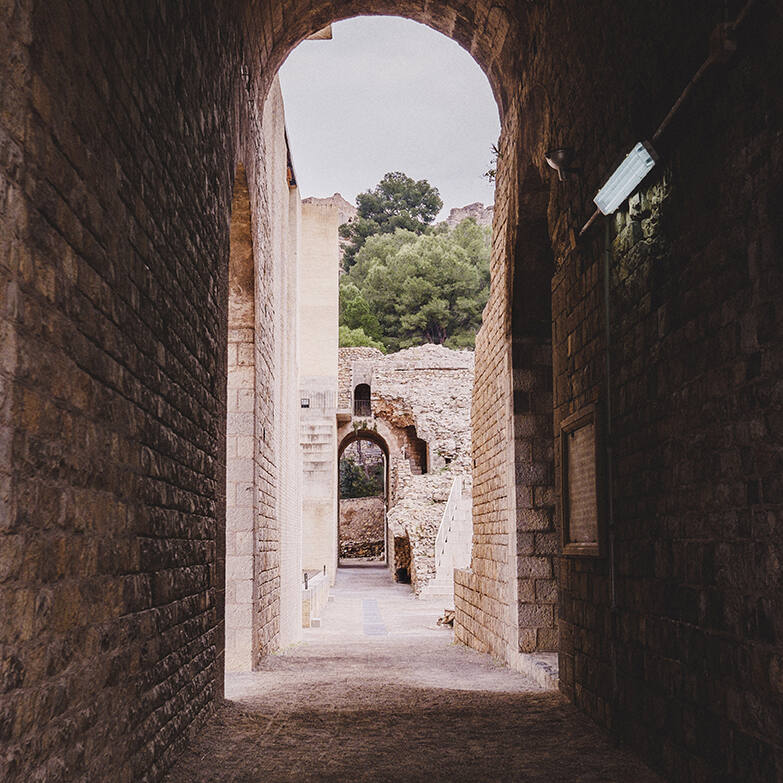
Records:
x=447, y=520
x=362, y=408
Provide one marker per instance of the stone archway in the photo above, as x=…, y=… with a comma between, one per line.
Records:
x=357, y=436
x=490, y=34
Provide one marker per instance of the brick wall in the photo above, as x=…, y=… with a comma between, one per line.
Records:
x=117, y=184
x=674, y=641
x=682, y=662
x=284, y=215
x=484, y=596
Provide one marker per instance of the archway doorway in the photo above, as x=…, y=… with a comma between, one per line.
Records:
x=361, y=522
x=496, y=569
x=363, y=499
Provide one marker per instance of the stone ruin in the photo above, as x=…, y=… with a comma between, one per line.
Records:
x=420, y=405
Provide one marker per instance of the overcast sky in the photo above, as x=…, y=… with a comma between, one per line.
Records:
x=388, y=94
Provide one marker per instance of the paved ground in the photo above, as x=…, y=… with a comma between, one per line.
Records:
x=380, y=693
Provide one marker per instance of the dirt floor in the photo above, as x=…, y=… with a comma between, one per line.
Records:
x=380, y=693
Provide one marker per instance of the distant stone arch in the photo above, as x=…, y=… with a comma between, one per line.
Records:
x=370, y=436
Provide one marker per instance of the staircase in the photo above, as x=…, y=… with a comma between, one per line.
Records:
x=452, y=545
x=317, y=439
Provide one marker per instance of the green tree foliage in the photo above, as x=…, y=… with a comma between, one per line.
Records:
x=396, y=202
x=353, y=338
x=360, y=480
x=406, y=289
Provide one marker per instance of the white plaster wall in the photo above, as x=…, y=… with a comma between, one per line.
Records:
x=318, y=347
x=291, y=464
x=285, y=209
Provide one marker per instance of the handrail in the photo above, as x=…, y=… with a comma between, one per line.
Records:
x=447, y=520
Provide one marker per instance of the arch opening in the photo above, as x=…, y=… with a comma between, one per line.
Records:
x=361, y=400
x=363, y=498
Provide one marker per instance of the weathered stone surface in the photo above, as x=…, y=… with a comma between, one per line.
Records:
x=481, y=214
x=422, y=397
x=121, y=124
x=345, y=210
x=362, y=527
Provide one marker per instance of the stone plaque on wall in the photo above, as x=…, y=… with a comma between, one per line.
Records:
x=580, y=483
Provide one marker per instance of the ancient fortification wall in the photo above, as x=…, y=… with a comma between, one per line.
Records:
x=347, y=357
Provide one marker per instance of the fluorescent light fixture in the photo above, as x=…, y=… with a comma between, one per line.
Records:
x=625, y=179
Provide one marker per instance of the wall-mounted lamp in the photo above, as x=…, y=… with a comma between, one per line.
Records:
x=560, y=159
x=638, y=162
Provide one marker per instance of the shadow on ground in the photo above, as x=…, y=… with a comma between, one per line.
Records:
x=395, y=733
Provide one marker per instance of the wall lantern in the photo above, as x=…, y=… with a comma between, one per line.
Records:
x=639, y=161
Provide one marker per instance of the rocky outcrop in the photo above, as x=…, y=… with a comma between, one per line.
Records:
x=481, y=214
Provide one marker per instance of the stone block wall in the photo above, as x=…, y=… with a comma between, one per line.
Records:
x=673, y=638
x=117, y=153
x=420, y=401
x=240, y=435
x=537, y=539
x=285, y=220
x=484, y=595
x=671, y=643
x=346, y=358
x=318, y=351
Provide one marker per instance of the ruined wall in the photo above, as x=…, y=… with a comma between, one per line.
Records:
x=416, y=513
x=362, y=523
x=428, y=387
x=481, y=214
x=346, y=358
x=420, y=399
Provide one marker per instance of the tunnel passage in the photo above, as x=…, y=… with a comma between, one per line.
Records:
x=122, y=125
